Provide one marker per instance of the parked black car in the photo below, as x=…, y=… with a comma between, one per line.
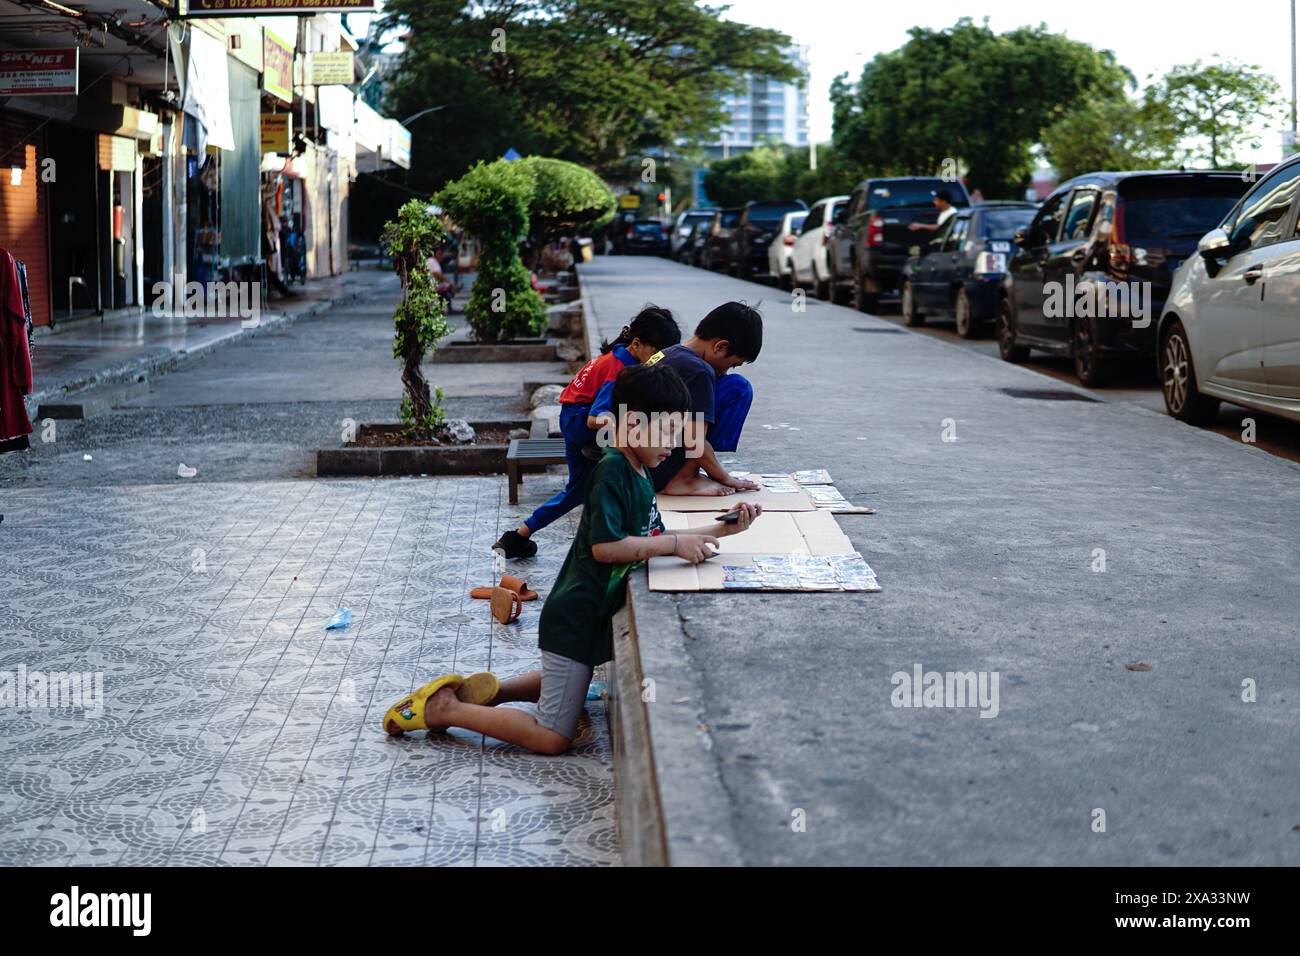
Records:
x=754, y=232
x=961, y=270
x=646, y=235
x=717, y=244
x=869, y=250
x=692, y=246
x=1091, y=273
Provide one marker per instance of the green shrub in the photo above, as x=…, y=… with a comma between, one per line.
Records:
x=491, y=202
x=419, y=321
x=569, y=198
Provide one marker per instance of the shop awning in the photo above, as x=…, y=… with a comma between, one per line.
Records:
x=207, y=90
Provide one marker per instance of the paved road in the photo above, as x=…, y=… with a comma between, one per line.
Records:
x=987, y=548
x=1134, y=383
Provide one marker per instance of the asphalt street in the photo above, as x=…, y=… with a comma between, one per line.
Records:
x=1128, y=578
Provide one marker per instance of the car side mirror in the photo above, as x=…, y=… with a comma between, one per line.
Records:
x=1215, y=244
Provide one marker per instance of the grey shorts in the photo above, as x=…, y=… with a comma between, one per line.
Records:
x=564, y=694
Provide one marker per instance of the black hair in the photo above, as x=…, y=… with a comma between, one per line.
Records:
x=650, y=389
x=944, y=195
x=652, y=325
x=739, y=324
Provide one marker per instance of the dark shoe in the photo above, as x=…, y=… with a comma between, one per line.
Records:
x=514, y=545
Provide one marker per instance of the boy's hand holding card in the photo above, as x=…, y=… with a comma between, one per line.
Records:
x=739, y=518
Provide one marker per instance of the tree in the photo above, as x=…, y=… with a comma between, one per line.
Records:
x=592, y=81
x=567, y=199
x=1109, y=134
x=419, y=322
x=1215, y=106
x=491, y=202
x=780, y=172
x=970, y=96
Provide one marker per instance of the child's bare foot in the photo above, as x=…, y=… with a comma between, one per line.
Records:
x=697, y=484
x=437, y=709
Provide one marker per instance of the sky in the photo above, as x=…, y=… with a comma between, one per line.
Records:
x=1147, y=36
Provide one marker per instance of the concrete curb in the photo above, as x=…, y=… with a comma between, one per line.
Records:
x=590, y=326
x=167, y=360
x=659, y=722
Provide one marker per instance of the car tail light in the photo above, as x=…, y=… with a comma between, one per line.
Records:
x=876, y=232
x=1118, y=252
x=990, y=263
x=664, y=229
x=631, y=233
x=789, y=240
x=827, y=234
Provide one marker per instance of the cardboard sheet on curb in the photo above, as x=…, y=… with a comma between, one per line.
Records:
x=812, y=532
x=770, y=500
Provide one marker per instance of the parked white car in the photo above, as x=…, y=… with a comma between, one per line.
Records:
x=808, y=261
x=778, y=251
x=1231, y=328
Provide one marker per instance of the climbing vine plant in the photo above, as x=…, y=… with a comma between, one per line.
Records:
x=420, y=322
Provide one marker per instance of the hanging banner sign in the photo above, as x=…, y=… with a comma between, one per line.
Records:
x=39, y=72
x=329, y=69
x=261, y=8
x=277, y=67
x=277, y=130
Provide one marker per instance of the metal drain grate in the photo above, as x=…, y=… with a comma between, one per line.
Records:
x=883, y=331
x=1047, y=394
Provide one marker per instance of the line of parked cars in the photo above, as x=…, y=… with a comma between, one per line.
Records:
x=1197, y=270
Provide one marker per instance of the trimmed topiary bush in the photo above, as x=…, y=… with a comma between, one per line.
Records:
x=419, y=323
x=491, y=202
x=569, y=198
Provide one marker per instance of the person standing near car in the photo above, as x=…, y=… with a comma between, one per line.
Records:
x=942, y=202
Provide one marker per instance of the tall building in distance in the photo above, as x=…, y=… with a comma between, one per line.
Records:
x=766, y=111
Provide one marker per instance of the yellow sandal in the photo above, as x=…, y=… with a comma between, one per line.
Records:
x=481, y=688
x=408, y=713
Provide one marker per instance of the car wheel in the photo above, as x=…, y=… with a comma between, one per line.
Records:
x=785, y=282
x=1089, y=367
x=863, y=300
x=911, y=315
x=821, y=288
x=1183, y=400
x=965, y=316
x=1007, y=347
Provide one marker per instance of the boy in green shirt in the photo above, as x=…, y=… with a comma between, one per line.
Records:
x=620, y=529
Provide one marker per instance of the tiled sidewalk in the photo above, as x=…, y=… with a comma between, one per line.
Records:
x=236, y=729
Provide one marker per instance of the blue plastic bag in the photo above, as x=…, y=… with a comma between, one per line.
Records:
x=341, y=619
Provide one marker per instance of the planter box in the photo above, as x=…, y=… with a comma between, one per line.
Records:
x=519, y=350
x=353, y=460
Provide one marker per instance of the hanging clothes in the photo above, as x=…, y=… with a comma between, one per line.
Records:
x=27, y=308
x=15, y=358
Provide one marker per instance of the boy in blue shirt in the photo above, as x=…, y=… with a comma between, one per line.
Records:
x=726, y=338
x=620, y=529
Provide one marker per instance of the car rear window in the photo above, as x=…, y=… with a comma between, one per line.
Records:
x=649, y=228
x=730, y=217
x=904, y=193
x=796, y=222
x=772, y=212
x=1177, y=207
x=1004, y=223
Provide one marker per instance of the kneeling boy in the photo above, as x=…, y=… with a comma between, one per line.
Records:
x=620, y=529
